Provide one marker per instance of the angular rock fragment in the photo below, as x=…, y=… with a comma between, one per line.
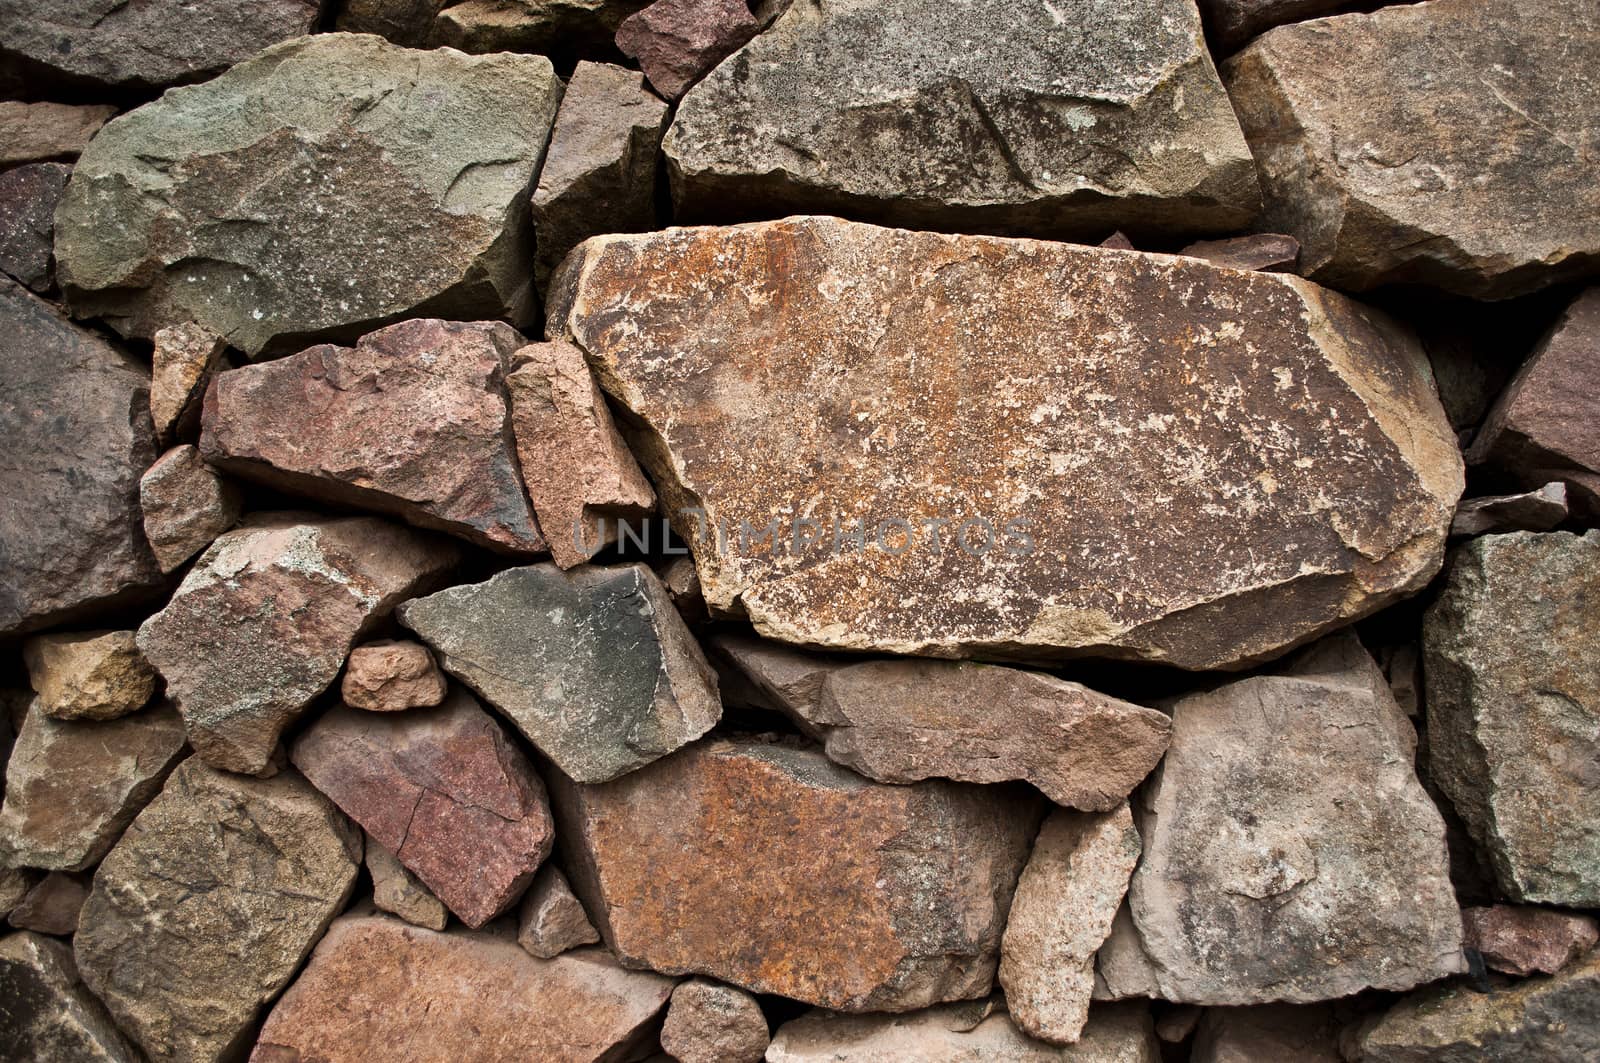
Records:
x=391, y=676
x=770, y=675
x=677, y=42
x=1235, y=21
x=1117, y=241
x=396, y=890
x=1068, y=894
x=424, y=996
x=810, y=862
x=88, y=675
x=74, y=438
x=543, y=647
x=72, y=788
x=15, y=882
x=406, y=22
x=1534, y=511
x=708, y=1022
x=1524, y=941
x=37, y=132
x=1290, y=854
x=1301, y=1033
x=52, y=905
x=186, y=505
x=209, y=904
x=683, y=585
x=1129, y=401
x=552, y=919
x=1513, y=696
x=531, y=25
x=182, y=364
x=445, y=790
x=262, y=622
x=412, y=421
x=28, y=198
x=1475, y=179
x=399, y=185
x=1266, y=251
x=1063, y=121
x=46, y=1015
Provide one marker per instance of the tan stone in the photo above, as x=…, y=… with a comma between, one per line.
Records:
x=391, y=675
x=396, y=890
x=34, y=132
x=181, y=366
x=88, y=675
x=186, y=505
x=708, y=1022
x=552, y=920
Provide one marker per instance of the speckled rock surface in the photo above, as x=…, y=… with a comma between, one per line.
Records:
x=46, y=1015
x=186, y=505
x=712, y=1023
x=88, y=675
x=677, y=42
x=28, y=198
x=1523, y=941
x=182, y=363
x=552, y=919
x=398, y=891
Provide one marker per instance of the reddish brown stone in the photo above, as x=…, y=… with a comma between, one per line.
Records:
x=552, y=920
x=712, y=1023
x=1117, y=241
x=33, y=132
x=446, y=790
x=182, y=364
x=1264, y=251
x=186, y=505
x=52, y=905
x=1524, y=941
x=677, y=42
x=392, y=675
x=28, y=198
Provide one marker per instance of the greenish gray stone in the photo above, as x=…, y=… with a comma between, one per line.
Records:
x=46, y=1014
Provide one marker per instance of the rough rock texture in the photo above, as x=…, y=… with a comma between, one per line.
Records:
x=392, y=675
x=73, y=787
x=15, y=882
x=28, y=198
x=35, y=132
x=399, y=185
x=376, y=988
x=1477, y=178
x=579, y=473
x=531, y=25
x=182, y=364
x=545, y=648
x=1534, y=511
x=412, y=421
x=677, y=42
x=1019, y=431
x=1064, y=120
x=74, y=438
x=712, y=1023
x=552, y=919
x=809, y=862
x=52, y=905
x=406, y=22
x=186, y=505
x=1268, y=1033
x=206, y=907
x=1524, y=941
x=1290, y=854
x=396, y=890
x=600, y=171
x=46, y=1015
x=262, y=622
x=1233, y=22
x=142, y=45
x=1068, y=894
x=1513, y=696
x=683, y=585
x=88, y=675
x=446, y=790
x=1269, y=251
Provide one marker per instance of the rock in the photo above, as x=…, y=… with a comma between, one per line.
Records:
x=1513, y=699
x=1234, y=22
x=394, y=889
x=28, y=197
x=377, y=985
x=532, y=25
x=678, y=42
x=1177, y=1022
x=74, y=438
x=36, y=132
x=600, y=172
x=1064, y=121
x=552, y=920
x=52, y=905
x=683, y=586
x=186, y=506
x=1534, y=511
x=769, y=675
x=810, y=862
x=182, y=364
x=446, y=790
x=413, y=421
x=1546, y=425
x=708, y=1022
x=46, y=1015
x=1117, y=241
x=580, y=475
x=263, y=620
x=1473, y=180
x=15, y=882
x=1266, y=251
x=1302, y=1033
x=891, y=373
x=399, y=188
x=406, y=22
x=88, y=675
x=1524, y=941
x=1119, y=1033
x=209, y=904
x=542, y=646
x=72, y=788
x=1290, y=854
x=390, y=676
x=145, y=45
x=1402, y=666
x=1067, y=896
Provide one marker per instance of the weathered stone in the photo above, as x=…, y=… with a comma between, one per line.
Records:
x=88, y=675
x=708, y=1022
x=1475, y=179
x=683, y=586
x=392, y=675
x=209, y=903
x=186, y=505
x=1524, y=941
x=810, y=862
x=36, y=132
x=1064, y=120
x=1117, y=1033
x=1270, y=1033
x=1513, y=696
x=678, y=42
x=46, y=1015
x=28, y=197
x=398, y=186
x=884, y=382
x=262, y=622
x=1268, y=251
x=52, y=905
x=1067, y=896
x=552, y=920
x=406, y=22
x=600, y=171
x=1234, y=22
x=1117, y=241
x=394, y=889
x=769, y=675
x=182, y=364
x=446, y=790
x=74, y=438
x=542, y=646
x=1534, y=511
x=1402, y=667
x=531, y=25
x=580, y=475
x=15, y=882
x=1289, y=852
x=72, y=788
x=142, y=45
